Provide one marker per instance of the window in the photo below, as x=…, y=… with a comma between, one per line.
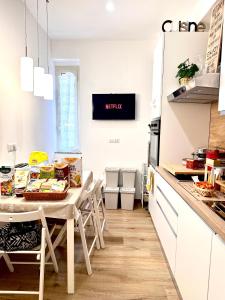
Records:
x=67, y=109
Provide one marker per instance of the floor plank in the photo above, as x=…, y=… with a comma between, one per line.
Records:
x=131, y=267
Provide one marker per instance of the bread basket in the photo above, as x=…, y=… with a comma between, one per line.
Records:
x=204, y=192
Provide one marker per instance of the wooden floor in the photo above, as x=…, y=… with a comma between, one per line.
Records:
x=132, y=266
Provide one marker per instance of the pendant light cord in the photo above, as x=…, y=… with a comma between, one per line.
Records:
x=25, y=24
x=47, y=2
x=38, y=33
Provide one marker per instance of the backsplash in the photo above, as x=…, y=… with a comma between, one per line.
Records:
x=217, y=128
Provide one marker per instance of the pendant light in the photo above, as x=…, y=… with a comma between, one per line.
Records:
x=48, y=79
x=26, y=63
x=38, y=71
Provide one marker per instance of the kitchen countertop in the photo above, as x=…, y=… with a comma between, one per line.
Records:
x=211, y=218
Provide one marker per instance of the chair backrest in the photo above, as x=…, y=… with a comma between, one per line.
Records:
x=98, y=188
x=86, y=196
x=23, y=217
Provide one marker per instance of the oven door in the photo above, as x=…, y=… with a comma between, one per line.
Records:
x=154, y=149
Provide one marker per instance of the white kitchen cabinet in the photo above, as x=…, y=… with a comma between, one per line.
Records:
x=221, y=105
x=194, y=240
x=166, y=232
x=217, y=270
x=163, y=209
x=157, y=79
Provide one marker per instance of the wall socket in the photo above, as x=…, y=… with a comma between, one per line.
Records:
x=114, y=141
x=11, y=147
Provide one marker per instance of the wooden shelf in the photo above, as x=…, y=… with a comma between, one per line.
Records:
x=198, y=94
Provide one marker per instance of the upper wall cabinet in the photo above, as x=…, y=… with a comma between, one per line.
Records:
x=221, y=105
x=157, y=79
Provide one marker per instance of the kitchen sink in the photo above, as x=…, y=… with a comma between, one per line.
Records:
x=218, y=207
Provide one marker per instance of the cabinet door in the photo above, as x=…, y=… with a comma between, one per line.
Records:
x=157, y=78
x=194, y=240
x=166, y=232
x=221, y=105
x=217, y=270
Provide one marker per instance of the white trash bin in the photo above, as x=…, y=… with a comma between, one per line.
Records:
x=112, y=177
x=128, y=177
x=111, y=197
x=127, y=198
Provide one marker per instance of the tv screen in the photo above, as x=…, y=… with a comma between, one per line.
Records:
x=113, y=106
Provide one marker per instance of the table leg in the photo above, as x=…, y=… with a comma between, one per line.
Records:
x=70, y=256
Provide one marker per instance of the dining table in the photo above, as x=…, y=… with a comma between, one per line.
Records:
x=58, y=209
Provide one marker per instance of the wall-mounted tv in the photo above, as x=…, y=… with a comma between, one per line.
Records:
x=113, y=106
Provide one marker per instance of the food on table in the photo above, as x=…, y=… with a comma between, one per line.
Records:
x=21, y=180
x=34, y=186
x=47, y=185
x=62, y=171
x=7, y=180
x=37, y=158
x=47, y=172
x=34, y=173
x=75, y=170
x=59, y=186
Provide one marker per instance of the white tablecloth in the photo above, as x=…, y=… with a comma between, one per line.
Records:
x=62, y=209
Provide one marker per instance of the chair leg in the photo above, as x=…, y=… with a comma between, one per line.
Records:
x=94, y=223
x=8, y=262
x=98, y=223
x=42, y=266
x=57, y=241
x=104, y=227
x=84, y=245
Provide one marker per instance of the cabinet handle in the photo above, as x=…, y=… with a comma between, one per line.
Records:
x=166, y=219
x=167, y=200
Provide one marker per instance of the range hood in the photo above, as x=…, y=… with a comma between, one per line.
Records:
x=205, y=90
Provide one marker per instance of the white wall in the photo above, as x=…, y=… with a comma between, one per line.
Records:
x=111, y=67
x=24, y=119
x=201, y=9
x=185, y=126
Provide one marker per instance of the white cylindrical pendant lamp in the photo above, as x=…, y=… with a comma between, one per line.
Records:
x=48, y=87
x=39, y=81
x=27, y=74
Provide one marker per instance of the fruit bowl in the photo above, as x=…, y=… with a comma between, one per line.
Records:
x=204, y=188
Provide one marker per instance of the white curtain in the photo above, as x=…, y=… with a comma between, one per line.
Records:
x=67, y=113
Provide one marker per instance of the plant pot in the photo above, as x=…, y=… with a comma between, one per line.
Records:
x=184, y=80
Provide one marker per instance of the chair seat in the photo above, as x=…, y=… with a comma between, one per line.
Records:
x=20, y=236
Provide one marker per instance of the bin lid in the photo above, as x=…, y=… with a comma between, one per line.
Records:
x=111, y=190
x=128, y=170
x=112, y=169
x=127, y=190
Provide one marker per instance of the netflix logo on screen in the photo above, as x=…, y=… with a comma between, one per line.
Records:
x=113, y=106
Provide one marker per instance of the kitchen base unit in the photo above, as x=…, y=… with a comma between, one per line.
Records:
x=192, y=237
x=217, y=270
x=194, y=240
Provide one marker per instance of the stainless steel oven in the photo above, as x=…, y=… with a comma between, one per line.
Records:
x=154, y=143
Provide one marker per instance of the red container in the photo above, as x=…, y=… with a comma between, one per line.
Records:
x=212, y=154
x=192, y=164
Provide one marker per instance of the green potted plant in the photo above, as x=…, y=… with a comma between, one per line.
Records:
x=186, y=72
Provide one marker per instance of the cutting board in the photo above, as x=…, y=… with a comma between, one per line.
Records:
x=180, y=169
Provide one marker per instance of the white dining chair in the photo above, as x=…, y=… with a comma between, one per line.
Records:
x=85, y=217
x=39, y=251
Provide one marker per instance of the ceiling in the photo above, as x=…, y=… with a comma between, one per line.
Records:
x=88, y=19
